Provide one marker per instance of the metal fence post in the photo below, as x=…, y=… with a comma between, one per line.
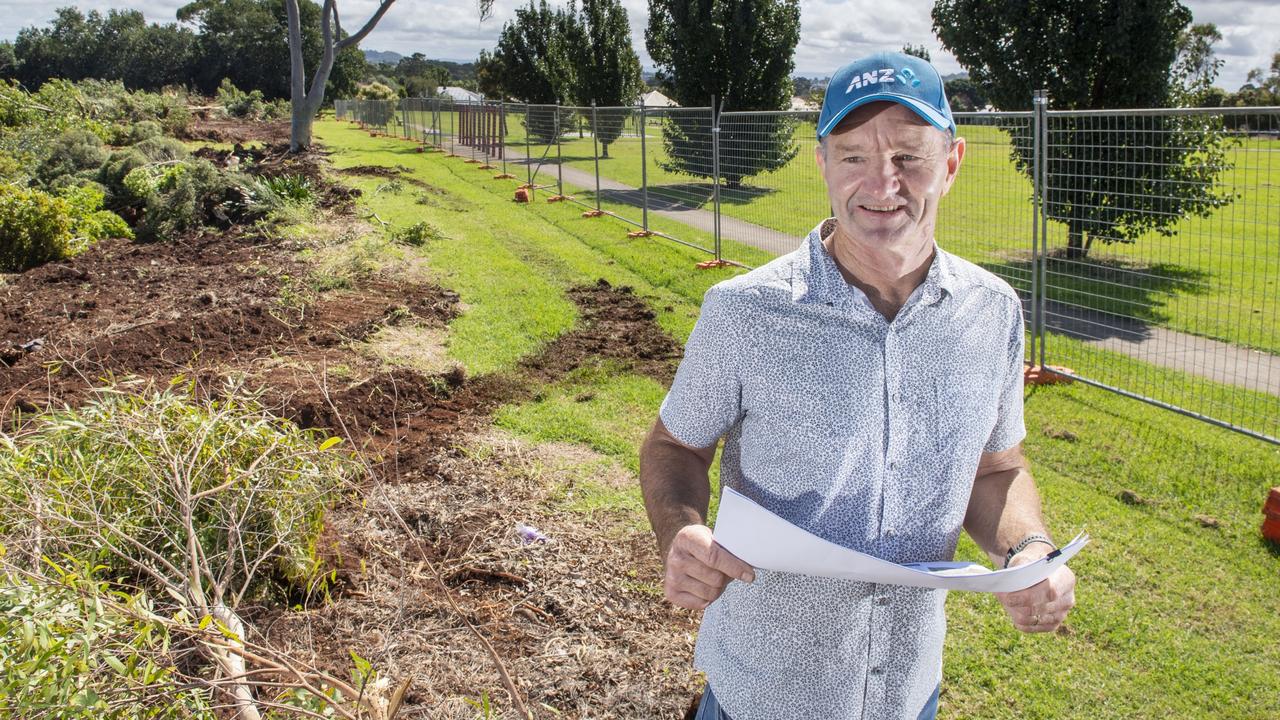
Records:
x=502, y=135
x=1038, y=99
x=559, y=160
x=715, y=172
x=1041, y=100
x=644, y=171
x=528, y=151
x=595, y=151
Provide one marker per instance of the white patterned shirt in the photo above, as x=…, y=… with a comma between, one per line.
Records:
x=864, y=432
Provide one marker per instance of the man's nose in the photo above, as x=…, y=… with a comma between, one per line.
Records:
x=882, y=179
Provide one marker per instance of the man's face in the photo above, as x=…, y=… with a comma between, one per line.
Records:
x=886, y=170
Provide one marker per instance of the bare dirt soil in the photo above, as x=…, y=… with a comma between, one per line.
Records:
x=578, y=621
x=236, y=130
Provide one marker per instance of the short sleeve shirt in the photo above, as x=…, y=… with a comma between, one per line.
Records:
x=864, y=432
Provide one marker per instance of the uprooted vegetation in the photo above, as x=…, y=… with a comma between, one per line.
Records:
x=413, y=593
x=84, y=162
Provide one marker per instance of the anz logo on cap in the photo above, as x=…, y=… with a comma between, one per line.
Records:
x=881, y=76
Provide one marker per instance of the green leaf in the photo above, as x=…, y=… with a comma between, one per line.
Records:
x=116, y=665
x=329, y=443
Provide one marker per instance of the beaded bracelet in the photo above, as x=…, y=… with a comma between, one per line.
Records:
x=1022, y=545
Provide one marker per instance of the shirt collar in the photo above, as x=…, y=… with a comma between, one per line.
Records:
x=816, y=279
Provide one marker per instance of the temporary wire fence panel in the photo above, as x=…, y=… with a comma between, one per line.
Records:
x=541, y=126
x=772, y=193
x=617, y=161
x=1145, y=243
x=1161, y=275
x=988, y=216
x=678, y=159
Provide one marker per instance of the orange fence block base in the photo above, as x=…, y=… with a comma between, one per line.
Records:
x=559, y=198
x=1271, y=516
x=592, y=213
x=504, y=176
x=486, y=166
x=1047, y=375
x=472, y=162
x=640, y=234
x=523, y=194
x=710, y=264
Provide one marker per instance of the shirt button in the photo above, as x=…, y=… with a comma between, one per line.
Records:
x=877, y=670
x=893, y=466
x=882, y=600
x=888, y=532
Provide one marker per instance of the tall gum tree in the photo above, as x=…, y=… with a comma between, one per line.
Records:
x=306, y=102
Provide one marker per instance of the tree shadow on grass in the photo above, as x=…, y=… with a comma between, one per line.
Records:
x=684, y=196
x=1099, y=298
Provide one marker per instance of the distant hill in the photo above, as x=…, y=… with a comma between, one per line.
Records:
x=382, y=57
x=458, y=71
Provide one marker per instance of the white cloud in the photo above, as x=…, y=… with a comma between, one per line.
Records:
x=832, y=31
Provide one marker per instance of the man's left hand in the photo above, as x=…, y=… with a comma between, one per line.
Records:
x=1043, y=606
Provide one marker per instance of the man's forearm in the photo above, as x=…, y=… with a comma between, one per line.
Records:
x=674, y=481
x=1004, y=508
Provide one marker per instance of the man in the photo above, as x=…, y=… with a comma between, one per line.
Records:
x=869, y=389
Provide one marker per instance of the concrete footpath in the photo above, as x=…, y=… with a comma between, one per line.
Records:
x=1211, y=359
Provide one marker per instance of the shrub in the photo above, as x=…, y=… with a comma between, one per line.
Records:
x=73, y=152
x=263, y=195
x=89, y=222
x=239, y=104
x=143, y=130
x=113, y=172
x=162, y=149
x=185, y=195
x=417, y=234
x=35, y=228
x=116, y=478
x=211, y=503
x=65, y=654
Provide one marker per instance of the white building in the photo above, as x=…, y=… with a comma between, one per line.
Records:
x=653, y=98
x=459, y=94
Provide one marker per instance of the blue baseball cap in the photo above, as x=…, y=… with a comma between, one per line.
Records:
x=893, y=76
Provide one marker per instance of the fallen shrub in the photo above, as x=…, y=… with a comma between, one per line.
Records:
x=65, y=653
x=72, y=153
x=38, y=227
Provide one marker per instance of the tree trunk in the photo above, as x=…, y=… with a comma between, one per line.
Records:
x=232, y=664
x=306, y=103
x=1076, y=247
x=604, y=148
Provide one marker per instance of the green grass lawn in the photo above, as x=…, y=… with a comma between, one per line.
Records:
x=1217, y=276
x=1178, y=609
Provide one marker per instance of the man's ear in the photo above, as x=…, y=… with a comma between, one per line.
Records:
x=954, y=159
x=820, y=155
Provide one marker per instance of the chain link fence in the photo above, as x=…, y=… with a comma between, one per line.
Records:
x=1145, y=243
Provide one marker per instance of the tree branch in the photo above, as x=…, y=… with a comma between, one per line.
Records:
x=350, y=40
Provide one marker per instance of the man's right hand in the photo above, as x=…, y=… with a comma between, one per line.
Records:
x=698, y=569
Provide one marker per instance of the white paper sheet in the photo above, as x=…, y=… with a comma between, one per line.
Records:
x=766, y=541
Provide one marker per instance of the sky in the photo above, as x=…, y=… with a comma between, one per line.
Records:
x=831, y=31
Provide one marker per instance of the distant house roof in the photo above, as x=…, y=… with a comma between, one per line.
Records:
x=458, y=93
x=799, y=103
x=653, y=98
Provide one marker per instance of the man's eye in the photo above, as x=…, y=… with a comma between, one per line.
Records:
x=853, y=159
x=908, y=158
